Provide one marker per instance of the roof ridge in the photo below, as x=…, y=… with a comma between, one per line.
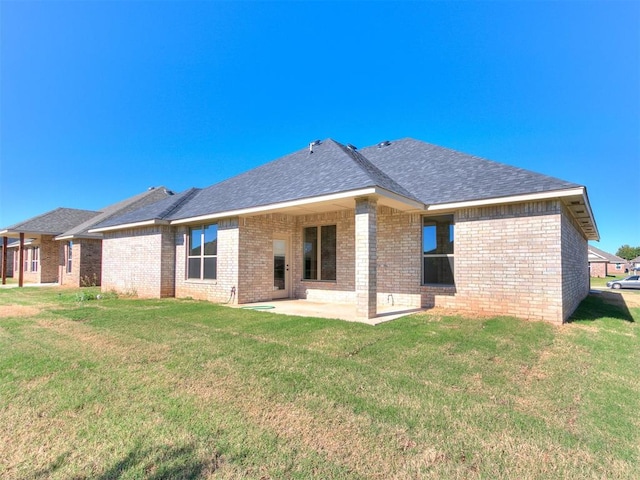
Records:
x=31, y=219
x=181, y=201
x=368, y=168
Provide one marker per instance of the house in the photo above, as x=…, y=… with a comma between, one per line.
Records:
x=402, y=222
x=602, y=264
x=56, y=246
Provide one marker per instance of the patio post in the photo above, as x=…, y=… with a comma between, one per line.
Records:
x=21, y=260
x=5, y=242
x=366, y=257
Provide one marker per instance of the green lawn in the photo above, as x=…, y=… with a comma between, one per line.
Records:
x=124, y=388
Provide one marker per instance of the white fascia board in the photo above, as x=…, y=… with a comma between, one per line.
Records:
x=591, y=217
x=145, y=223
x=302, y=202
x=529, y=197
x=80, y=237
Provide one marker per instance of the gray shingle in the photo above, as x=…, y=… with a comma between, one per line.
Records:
x=436, y=174
x=158, y=210
x=331, y=168
x=118, y=209
x=53, y=222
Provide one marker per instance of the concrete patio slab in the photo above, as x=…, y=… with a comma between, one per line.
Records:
x=306, y=308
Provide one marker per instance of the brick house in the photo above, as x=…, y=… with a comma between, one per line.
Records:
x=602, y=263
x=56, y=247
x=401, y=222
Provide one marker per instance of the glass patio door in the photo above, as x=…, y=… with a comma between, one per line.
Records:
x=280, y=268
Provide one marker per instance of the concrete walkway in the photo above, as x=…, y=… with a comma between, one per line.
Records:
x=306, y=308
x=15, y=285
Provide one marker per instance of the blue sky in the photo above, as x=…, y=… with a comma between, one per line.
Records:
x=100, y=100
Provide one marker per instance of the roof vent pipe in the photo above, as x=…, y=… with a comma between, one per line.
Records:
x=351, y=147
x=386, y=143
x=313, y=144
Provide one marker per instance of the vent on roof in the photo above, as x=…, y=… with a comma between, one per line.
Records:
x=151, y=188
x=351, y=147
x=168, y=192
x=313, y=144
x=386, y=143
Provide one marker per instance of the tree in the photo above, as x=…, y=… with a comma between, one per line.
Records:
x=628, y=253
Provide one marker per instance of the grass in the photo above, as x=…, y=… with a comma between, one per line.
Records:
x=124, y=388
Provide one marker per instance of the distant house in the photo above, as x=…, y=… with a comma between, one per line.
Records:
x=602, y=263
x=402, y=222
x=635, y=264
x=56, y=247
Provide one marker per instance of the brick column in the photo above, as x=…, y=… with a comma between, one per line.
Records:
x=366, y=257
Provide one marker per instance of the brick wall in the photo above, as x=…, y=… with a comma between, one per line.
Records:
x=598, y=269
x=399, y=258
x=86, y=264
x=508, y=261
x=218, y=290
x=9, y=264
x=139, y=261
x=575, y=266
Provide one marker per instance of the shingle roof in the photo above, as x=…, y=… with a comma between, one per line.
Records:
x=609, y=257
x=331, y=168
x=437, y=175
x=159, y=210
x=121, y=208
x=410, y=168
x=52, y=223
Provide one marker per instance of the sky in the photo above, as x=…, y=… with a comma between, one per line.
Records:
x=101, y=100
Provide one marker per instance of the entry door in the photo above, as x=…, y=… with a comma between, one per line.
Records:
x=281, y=274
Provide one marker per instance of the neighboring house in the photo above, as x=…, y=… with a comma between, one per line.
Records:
x=635, y=264
x=602, y=263
x=404, y=223
x=57, y=247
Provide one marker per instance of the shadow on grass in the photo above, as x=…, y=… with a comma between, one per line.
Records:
x=602, y=305
x=162, y=462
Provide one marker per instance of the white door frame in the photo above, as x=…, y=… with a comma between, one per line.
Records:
x=286, y=291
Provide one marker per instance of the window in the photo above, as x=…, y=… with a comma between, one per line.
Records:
x=319, y=255
x=69, y=256
x=35, y=254
x=437, y=250
x=203, y=252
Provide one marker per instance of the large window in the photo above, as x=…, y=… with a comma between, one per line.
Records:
x=437, y=250
x=35, y=257
x=319, y=253
x=203, y=252
x=69, y=256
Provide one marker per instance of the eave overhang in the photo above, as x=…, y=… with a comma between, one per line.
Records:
x=125, y=226
x=575, y=199
x=313, y=205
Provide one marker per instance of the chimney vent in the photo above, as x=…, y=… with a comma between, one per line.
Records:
x=313, y=144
